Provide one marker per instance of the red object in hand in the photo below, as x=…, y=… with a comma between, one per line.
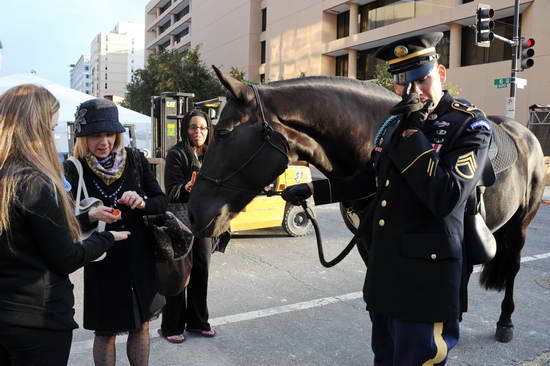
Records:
x=116, y=212
x=193, y=177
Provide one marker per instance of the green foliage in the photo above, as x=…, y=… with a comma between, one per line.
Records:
x=302, y=74
x=452, y=88
x=236, y=73
x=382, y=76
x=171, y=72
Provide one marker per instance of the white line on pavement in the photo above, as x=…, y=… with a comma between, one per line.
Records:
x=85, y=346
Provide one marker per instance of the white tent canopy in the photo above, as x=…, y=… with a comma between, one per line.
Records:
x=69, y=99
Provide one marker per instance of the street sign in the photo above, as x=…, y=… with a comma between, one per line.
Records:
x=521, y=83
x=501, y=83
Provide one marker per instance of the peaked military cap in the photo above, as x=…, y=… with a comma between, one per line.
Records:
x=411, y=58
x=97, y=116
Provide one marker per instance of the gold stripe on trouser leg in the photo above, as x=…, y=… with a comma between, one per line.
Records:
x=440, y=344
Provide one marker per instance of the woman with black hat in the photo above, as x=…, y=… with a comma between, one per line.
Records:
x=120, y=291
x=184, y=158
x=38, y=234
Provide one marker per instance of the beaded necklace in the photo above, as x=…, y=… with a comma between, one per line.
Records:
x=113, y=196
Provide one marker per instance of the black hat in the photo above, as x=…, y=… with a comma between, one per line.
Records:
x=411, y=58
x=97, y=116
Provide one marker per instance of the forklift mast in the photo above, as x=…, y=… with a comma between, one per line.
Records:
x=167, y=112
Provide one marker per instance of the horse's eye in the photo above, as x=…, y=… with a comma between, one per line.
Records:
x=223, y=132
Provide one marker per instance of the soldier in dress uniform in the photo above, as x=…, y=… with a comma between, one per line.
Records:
x=428, y=158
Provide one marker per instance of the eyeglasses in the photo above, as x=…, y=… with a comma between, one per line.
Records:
x=194, y=128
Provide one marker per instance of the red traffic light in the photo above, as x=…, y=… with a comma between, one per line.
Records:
x=529, y=42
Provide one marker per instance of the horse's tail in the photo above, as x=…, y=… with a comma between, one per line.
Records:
x=511, y=237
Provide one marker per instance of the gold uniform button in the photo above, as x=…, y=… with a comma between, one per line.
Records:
x=387, y=182
x=433, y=256
x=381, y=223
x=384, y=203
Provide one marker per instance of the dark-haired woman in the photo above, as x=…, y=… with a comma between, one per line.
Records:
x=188, y=310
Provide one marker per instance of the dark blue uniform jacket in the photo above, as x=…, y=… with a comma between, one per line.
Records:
x=416, y=228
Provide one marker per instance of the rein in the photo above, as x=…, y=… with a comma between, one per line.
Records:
x=268, y=131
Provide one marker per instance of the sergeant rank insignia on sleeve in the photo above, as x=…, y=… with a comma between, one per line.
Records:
x=466, y=165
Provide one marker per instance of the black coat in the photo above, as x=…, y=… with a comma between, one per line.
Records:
x=35, y=290
x=416, y=227
x=177, y=172
x=129, y=266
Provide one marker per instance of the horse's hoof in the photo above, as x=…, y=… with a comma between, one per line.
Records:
x=504, y=334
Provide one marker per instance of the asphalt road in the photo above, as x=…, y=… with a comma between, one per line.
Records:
x=272, y=303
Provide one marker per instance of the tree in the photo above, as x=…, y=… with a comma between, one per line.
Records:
x=171, y=72
x=236, y=73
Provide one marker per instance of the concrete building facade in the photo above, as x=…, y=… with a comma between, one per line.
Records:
x=280, y=39
x=80, y=75
x=114, y=56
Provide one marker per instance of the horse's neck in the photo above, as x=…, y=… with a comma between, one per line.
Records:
x=336, y=139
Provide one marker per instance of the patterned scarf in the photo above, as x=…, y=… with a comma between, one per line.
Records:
x=109, y=169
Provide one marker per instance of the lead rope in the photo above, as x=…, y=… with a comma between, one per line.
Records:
x=309, y=213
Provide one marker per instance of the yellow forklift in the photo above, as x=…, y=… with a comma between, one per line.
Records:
x=167, y=111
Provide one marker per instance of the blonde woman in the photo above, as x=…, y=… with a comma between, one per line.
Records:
x=38, y=233
x=120, y=291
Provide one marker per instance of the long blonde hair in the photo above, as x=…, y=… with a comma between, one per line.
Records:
x=26, y=141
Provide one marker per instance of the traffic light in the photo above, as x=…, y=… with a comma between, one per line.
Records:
x=484, y=25
x=527, y=52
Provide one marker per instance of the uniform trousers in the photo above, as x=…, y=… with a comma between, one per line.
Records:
x=189, y=310
x=401, y=343
x=21, y=346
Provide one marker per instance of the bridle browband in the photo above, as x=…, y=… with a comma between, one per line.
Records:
x=268, y=132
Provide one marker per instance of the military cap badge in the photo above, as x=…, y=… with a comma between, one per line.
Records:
x=400, y=51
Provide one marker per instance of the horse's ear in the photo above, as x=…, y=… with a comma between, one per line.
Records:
x=237, y=88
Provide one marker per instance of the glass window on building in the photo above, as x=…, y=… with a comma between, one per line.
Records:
x=442, y=49
x=105, y=85
x=380, y=13
x=499, y=51
x=342, y=65
x=342, y=25
x=264, y=19
x=262, y=52
x=262, y=78
x=367, y=64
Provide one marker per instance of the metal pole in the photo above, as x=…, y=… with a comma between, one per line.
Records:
x=511, y=105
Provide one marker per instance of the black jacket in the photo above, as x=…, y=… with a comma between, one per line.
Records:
x=35, y=290
x=177, y=172
x=416, y=227
x=128, y=270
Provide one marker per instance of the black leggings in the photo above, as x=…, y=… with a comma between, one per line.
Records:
x=20, y=346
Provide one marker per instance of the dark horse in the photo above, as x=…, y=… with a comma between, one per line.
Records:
x=330, y=122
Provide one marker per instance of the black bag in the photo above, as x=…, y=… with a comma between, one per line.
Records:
x=172, y=250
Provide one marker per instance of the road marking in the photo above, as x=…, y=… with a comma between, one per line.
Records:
x=85, y=346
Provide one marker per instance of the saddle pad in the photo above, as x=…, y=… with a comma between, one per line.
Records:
x=503, y=152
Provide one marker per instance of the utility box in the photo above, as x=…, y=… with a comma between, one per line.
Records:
x=167, y=112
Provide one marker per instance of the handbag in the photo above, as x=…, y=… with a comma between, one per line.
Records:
x=172, y=250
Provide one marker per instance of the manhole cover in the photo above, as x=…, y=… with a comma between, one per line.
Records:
x=543, y=282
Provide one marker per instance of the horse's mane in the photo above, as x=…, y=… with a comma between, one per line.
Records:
x=370, y=91
x=329, y=118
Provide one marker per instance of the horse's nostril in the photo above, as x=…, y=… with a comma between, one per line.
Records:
x=191, y=218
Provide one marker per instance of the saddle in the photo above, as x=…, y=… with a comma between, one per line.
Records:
x=503, y=152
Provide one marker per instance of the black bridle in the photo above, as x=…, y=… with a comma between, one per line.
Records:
x=268, y=133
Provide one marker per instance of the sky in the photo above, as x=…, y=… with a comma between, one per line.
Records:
x=49, y=35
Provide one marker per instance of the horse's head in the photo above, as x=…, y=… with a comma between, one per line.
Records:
x=245, y=155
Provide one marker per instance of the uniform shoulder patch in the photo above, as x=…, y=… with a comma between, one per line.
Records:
x=382, y=129
x=470, y=109
x=480, y=124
